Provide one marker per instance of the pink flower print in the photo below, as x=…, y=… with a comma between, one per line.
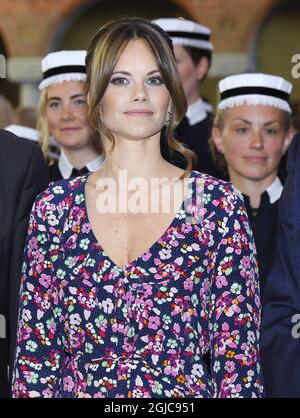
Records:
x=221, y=281
x=165, y=254
x=24, y=333
x=86, y=227
x=246, y=263
x=227, y=305
x=146, y=256
x=33, y=243
x=68, y=384
x=154, y=322
x=38, y=265
x=248, y=356
x=185, y=228
x=228, y=387
x=188, y=284
x=45, y=280
x=176, y=329
x=230, y=366
x=128, y=345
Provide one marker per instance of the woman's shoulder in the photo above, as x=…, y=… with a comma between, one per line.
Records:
x=62, y=191
x=216, y=190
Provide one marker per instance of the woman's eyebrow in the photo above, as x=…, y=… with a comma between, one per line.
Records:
x=74, y=96
x=128, y=73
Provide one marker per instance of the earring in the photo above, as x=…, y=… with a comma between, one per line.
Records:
x=168, y=118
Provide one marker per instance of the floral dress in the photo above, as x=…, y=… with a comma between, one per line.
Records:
x=88, y=328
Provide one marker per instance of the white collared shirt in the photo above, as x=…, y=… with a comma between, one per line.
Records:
x=196, y=112
x=66, y=168
x=274, y=191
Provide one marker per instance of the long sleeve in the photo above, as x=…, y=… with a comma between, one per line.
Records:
x=235, y=309
x=39, y=347
x=280, y=342
x=33, y=182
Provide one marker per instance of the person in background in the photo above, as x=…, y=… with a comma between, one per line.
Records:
x=125, y=299
x=251, y=133
x=63, y=114
x=23, y=175
x=25, y=116
x=193, y=51
x=6, y=112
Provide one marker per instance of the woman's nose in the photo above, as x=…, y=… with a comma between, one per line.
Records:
x=66, y=112
x=257, y=141
x=140, y=94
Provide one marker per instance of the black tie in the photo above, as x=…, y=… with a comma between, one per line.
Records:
x=81, y=172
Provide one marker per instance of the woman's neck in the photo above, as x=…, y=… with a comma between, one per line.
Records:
x=252, y=188
x=141, y=158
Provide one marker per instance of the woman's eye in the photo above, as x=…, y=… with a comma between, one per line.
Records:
x=119, y=81
x=242, y=131
x=80, y=102
x=271, y=131
x=54, y=105
x=157, y=81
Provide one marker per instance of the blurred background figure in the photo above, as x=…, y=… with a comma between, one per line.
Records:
x=6, y=112
x=193, y=53
x=295, y=117
x=251, y=133
x=26, y=116
x=63, y=114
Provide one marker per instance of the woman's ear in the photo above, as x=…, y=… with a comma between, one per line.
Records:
x=202, y=68
x=216, y=136
x=287, y=140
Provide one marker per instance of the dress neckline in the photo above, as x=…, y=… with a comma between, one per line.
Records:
x=153, y=245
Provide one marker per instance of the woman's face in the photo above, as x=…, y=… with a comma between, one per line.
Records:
x=66, y=112
x=188, y=73
x=136, y=101
x=253, y=141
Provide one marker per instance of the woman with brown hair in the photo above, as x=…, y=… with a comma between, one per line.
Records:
x=134, y=273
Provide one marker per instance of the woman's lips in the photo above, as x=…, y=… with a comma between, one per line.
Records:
x=256, y=159
x=139, y=112
x=70, y=129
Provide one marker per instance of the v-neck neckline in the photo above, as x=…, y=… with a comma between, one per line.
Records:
x=150, y=249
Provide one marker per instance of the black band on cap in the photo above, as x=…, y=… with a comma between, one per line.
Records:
x=190, y=35
x=64, y=69
x=266, y=91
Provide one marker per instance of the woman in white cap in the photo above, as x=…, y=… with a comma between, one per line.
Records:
x=132, y=274
x=63, y=114
x=193, y=51
x=251, y=133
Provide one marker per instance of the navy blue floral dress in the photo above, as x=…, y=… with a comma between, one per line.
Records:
x=88, y=328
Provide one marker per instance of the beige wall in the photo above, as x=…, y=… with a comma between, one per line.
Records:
x=241, y=30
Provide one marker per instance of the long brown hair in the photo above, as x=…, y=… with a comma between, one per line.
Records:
x=103, y=54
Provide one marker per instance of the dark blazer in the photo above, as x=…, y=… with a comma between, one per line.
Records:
x=263, y=222
x=280, y=337
x=23, y=175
